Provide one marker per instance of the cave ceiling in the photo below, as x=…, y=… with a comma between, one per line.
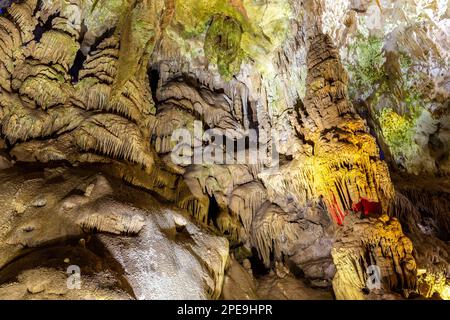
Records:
x=233, y=149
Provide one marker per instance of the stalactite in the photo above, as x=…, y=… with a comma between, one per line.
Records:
x=168, y=121
x=390, y=252
x=64, y=55
x=80, y=90
x=94, y=87
x=345, y=166
x=430, y=203
x=13, y=33
x=271, y=231
x=405, y=211
x=22, y=124
x=215, y=113
x=245, y=202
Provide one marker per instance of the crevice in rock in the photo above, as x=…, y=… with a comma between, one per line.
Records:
x=154, y=78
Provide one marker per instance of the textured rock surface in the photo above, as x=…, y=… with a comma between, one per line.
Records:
x=153, y=249
x=337, y=95
x=289, y=288
x=373, y=242
x=43, y=275
x=240, y=284
x=171, y=259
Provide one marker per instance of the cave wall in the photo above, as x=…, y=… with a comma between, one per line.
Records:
x=339, y=99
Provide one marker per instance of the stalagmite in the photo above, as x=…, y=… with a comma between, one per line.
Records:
x=378, y=262
x=171, y=148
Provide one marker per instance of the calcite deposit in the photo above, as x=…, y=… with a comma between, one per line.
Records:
x=224, y=149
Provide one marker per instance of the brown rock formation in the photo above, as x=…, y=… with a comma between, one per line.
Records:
x=95, y=96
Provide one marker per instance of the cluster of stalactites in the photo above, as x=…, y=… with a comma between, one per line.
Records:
x=272, y=232
x=343, y=165
x=39, y=99
x=373, y=256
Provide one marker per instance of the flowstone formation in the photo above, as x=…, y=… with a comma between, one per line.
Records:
x=47, y=222
x=402, y=80
x=225, y=149
x=379, y=243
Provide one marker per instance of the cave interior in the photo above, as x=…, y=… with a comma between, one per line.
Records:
x=225, y=149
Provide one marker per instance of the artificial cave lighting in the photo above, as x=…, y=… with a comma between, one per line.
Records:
x=224, y=149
